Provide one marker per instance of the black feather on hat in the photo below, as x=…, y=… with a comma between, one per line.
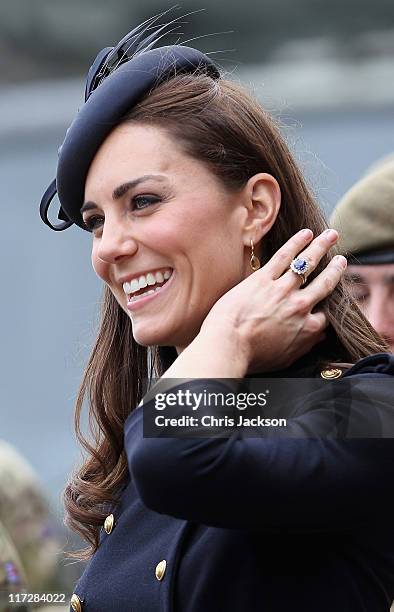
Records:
x=118, y=79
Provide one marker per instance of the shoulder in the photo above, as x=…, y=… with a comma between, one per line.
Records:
x=380, y=364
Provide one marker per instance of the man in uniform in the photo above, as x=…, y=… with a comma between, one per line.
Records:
x=12, y=576
x=30, y=550
x=364, y=218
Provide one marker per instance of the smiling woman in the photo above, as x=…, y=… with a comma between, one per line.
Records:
x=190, y=189
x=182, y=200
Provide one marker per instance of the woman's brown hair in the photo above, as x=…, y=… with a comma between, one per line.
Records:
x=220, y=124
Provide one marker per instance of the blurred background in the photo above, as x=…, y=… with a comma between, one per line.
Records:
x=326, y=71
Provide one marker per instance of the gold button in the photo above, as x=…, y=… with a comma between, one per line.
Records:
x=330, y=374
x=76, y=603
x=109, y=523
x=161, y=569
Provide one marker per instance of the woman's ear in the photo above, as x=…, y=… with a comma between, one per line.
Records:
x=262, y=198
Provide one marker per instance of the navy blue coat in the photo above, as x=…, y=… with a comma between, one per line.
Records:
x=252, y=524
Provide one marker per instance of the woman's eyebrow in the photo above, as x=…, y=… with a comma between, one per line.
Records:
x=120, y=191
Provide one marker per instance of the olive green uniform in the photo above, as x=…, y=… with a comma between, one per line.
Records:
x=30, y=551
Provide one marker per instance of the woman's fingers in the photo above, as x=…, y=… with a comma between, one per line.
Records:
x=316, y=323
x=313, y=254
x=324, y=284
x=283, y=257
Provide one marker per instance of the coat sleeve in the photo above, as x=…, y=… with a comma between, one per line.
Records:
x=295, y=483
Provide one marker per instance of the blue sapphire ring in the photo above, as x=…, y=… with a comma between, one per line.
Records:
x=300, y=266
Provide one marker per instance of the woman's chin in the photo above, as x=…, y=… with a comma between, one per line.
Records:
x=148, y=337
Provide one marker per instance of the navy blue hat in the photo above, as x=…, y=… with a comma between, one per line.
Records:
x=118, y=79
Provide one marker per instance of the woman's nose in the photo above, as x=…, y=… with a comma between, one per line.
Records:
x=116, y=241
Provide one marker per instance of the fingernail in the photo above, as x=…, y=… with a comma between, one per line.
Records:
x=341, y=260
x=331, y=234
x=306, y=233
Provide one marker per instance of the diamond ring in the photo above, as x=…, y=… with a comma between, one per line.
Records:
x=300, y=266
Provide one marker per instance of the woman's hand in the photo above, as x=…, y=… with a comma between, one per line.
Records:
x=267, y=315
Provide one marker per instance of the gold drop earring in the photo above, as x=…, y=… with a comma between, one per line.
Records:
x=254, y=261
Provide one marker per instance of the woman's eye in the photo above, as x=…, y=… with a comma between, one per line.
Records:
x=138, y=203
x=93, y=223
x=142, y=201
x=360, y=297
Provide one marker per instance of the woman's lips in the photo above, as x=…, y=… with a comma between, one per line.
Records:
x=142, y=301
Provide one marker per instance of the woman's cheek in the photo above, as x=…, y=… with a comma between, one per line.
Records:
x=98, y=266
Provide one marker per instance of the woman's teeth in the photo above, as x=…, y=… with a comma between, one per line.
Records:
x=150, y=279
x=134, y=298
